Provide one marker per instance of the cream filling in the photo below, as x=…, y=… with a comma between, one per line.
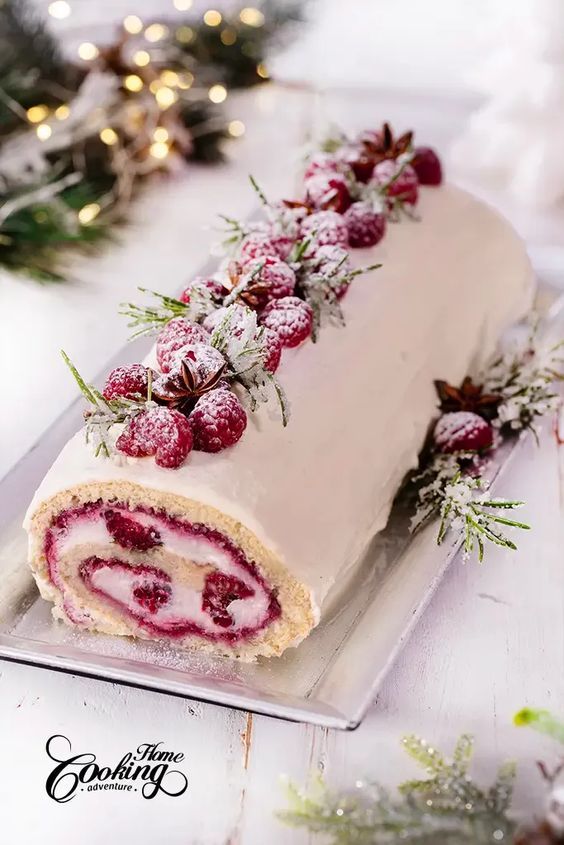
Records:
x=186, y=599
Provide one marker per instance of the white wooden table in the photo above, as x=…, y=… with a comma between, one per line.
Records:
x=491, y=642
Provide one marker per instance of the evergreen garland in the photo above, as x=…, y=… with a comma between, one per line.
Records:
x=445, y=808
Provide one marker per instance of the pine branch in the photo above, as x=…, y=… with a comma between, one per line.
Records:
x=447, y=808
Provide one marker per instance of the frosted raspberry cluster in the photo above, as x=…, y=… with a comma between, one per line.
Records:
x=285, y=277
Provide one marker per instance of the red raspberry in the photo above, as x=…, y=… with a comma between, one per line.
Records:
x=331, y=260
x=360, y=162
x=325, y=227
x=152, y=595
x=328, y=191
x=291, y=318
x=334, y=261
x=274, y=350
x=322, y=163
x=127, y=382
x=217, y=421
x=366, y=227
x=256, y=245
x=176, y=334
x=427, y=165
x=277, y=277
x=129, y=533
x=462, y=431
x=219, y=591
x=161, y=432
x=216, y=289
x=405, y=187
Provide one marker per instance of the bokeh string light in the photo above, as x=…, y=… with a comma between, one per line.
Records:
x=172, y=77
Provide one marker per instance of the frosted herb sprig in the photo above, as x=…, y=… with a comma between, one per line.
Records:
x=462, y=502
x=323, y=288
x=243, y=344
x=150, y=319
x=394, y=207
x=524, y=378
x=516, y=391
x=280, y=222
x=447, y=808
x=104, y=413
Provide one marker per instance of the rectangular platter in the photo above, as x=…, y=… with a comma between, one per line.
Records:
x=331, y=679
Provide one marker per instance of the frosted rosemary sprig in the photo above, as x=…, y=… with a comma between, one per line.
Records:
x=243, y=344
x=259, y=192
x=149, y=319
x=447, y=808
x=105, y=413
x=234, y=231
x=524, y=378
x=463, y=504
x=323, y=289
x=475, y=515
x=392, y=206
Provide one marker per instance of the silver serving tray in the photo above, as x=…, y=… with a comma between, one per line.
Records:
x=331, y=679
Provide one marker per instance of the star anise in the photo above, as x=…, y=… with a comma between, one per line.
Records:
x=181, y=388
x=382, y=145
x=467, y=397
x=254, y=292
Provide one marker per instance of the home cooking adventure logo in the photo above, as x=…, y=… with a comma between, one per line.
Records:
x=147, y=770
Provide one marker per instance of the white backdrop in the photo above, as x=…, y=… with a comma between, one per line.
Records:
x=433, y=45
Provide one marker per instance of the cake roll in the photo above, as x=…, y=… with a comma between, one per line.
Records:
x=240, y=552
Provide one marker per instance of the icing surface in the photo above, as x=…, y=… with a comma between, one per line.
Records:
x=361, y=398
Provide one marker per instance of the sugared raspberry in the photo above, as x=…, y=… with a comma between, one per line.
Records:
x=256, y=245
x=366, y=227
x=217, y=421
x=219, y=591
x=152, y=595
x=291, y=318
x=328, y=191
x=325, y=227
x=334, y=261
x=322, y=163
x=237, y=322
x=360, y=162
x=129, y=533
x=462, y=431
x=215, y=288
x=277, y=278
x=330, y=260
x=127, y=382
x=273, y=350
x=161, y=432
x=405, y=187
x=176, y=334
x=427, y=165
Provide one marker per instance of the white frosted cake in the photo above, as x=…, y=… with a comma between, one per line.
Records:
x=225, y=530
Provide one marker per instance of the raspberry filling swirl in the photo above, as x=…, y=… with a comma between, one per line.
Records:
x=171, y=577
